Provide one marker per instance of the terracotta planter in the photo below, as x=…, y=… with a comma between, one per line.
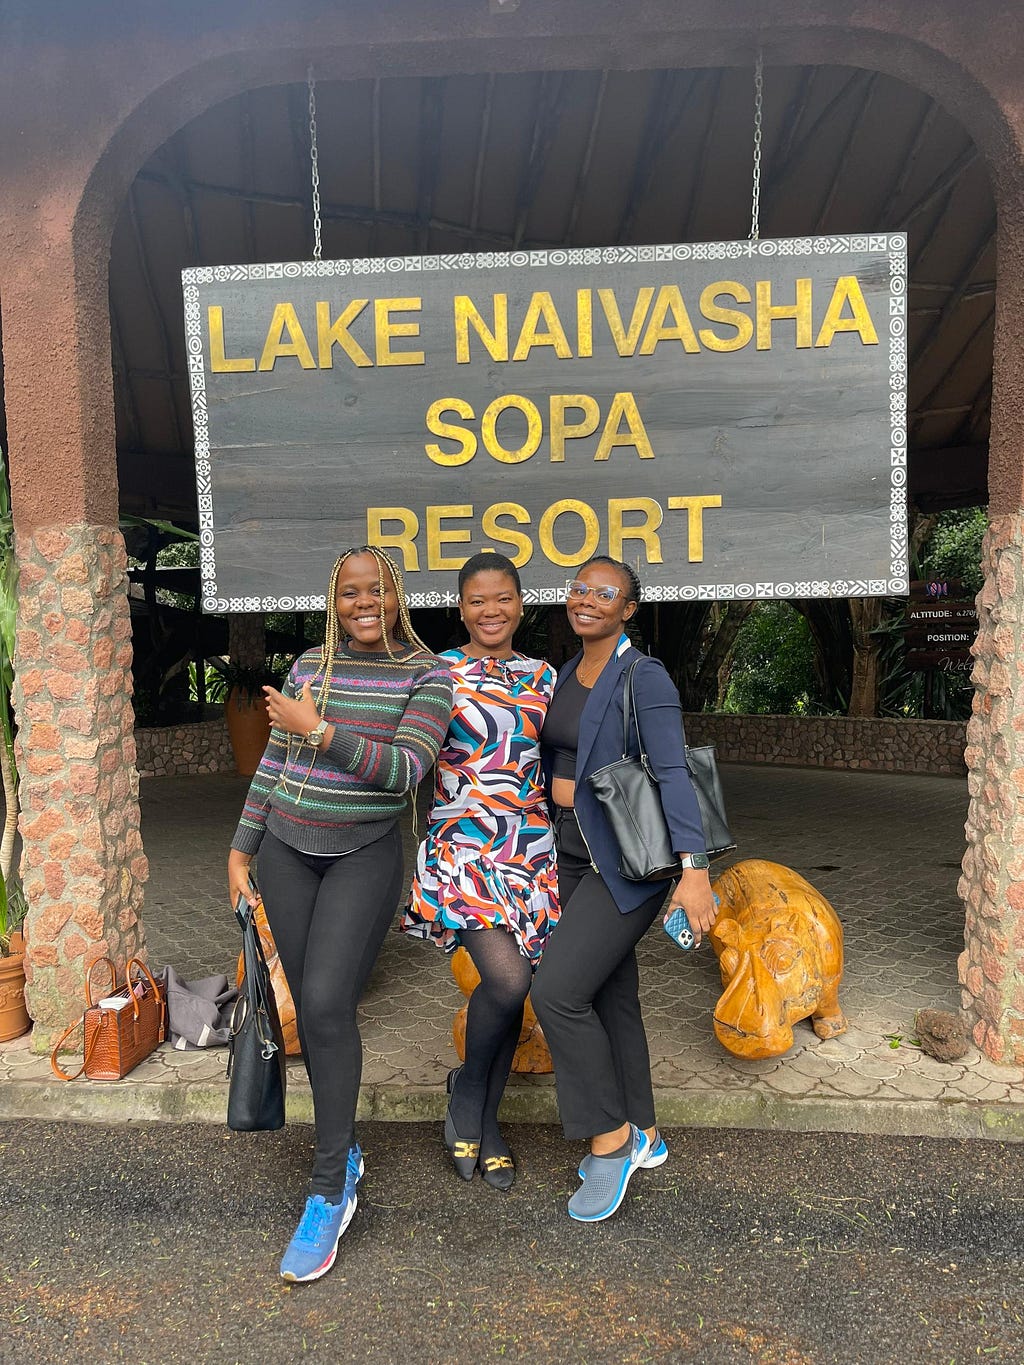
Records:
x=14, y=1020
x=248, y=729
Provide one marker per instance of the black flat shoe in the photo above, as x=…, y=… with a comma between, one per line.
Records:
x=464, y=1154
x=498, y=1171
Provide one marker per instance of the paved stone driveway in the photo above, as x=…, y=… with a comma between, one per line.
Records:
x=884, y=849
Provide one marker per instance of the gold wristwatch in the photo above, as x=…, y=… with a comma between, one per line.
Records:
x=316, y=736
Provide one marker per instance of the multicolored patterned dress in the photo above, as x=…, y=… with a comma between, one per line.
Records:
x=488, y=859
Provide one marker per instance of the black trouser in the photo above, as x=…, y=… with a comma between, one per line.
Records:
x=586, y=995
x=329, y=917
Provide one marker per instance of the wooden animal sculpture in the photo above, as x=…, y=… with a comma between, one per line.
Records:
x=531, y=1056
x=780, y=952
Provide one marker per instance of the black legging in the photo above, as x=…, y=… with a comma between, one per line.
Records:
x=493, y=1023
x=586, y=994
x=329, y=917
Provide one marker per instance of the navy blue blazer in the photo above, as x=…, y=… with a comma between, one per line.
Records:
x=661, y=725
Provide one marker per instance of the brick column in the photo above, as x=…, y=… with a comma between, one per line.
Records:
x=991, y=967
x=82, y=862
x=83, y=865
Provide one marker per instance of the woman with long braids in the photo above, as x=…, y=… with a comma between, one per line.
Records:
x=586, y=988
x=485, y=874
x=355, y=726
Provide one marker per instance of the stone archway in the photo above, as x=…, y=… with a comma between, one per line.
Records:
x=83, y=860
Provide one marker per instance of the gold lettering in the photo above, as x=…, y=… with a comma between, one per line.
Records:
x=542, y=309
x=467, y=315
x=404, y=540
x=847, y=290
x=625, y=342
x=732, y=317
x=561, y=430
x=385, y=329
x=438, y=537
x=584, y=322
x=767, y=312
x=285, y=319
x=624, y=405
x=219, y=363
x=330, y=334
x=695, y=521
x=495, y=531
x=669, y=301
x=646, y=532
x=489, y=432
x=591, y=532
x=451, y=432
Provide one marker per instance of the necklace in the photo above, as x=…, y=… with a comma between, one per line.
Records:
x=587, y=676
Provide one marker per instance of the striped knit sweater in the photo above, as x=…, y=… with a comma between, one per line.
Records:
x=389, y=717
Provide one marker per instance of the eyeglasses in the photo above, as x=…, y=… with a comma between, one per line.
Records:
x=604, y=592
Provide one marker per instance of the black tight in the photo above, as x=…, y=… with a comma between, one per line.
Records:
x=329, y=917
x=493, y=1022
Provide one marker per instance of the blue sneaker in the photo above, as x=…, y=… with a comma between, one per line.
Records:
x=312, y=1250
x=657, y=1156
x=604, y=1188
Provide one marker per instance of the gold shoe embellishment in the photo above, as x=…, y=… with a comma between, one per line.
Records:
x=498, y=1163
x=465, y=1150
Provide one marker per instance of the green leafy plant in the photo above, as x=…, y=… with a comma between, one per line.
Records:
x=244, y=680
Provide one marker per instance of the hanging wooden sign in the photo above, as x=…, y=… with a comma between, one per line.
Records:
x=729, y=417
x=941, y=626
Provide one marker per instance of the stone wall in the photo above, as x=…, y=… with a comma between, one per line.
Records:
x=891, y=746
x=177, y=750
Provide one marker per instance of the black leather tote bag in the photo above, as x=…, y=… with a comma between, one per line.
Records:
x=256, y=1074
x=628, y=792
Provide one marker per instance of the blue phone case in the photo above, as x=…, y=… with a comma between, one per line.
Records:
x=677, y=926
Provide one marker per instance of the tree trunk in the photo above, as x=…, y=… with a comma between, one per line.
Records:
x=865, y=616
x=10, y=781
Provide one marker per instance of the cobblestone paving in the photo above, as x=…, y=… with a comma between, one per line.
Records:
x=884, y=849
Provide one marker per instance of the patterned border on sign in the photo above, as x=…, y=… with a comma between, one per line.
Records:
x=895, y=244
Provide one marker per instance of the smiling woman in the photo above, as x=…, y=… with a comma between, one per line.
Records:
x=485, y=874
x=355, y=727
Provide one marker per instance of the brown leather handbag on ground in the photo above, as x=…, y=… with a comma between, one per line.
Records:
x=278, y=984
x=121, y=1028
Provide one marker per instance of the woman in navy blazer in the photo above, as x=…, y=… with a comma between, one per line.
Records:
x=586, y=989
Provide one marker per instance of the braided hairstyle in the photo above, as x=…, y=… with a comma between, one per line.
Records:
x=333, y=633
x=634, y=593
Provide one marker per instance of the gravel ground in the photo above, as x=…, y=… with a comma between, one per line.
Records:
x=160, y=1244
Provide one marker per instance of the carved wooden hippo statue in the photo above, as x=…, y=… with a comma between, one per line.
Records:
x=780, y=952
x=531, y=1056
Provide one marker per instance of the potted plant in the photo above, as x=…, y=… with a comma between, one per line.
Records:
x=246, y=712
x=14, y=1018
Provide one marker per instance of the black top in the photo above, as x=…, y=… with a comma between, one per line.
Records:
x=561, y=733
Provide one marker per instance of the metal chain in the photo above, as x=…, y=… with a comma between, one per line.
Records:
x=755, y=204
x=314, y=164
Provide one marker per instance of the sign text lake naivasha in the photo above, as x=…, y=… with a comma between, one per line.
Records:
x=730, y=418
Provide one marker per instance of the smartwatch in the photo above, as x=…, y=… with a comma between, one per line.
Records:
x=315, y=736
x=695, y=860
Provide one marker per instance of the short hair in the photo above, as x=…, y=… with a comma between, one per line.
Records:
x=635, y=592
x=485, y=562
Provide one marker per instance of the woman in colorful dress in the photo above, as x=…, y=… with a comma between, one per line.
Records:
x=485, y=874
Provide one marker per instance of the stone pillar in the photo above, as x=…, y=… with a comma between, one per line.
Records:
x=991, y=967
x=82, y=862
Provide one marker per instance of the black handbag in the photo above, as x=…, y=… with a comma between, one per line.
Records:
x=628, y=792
x=256, y=1074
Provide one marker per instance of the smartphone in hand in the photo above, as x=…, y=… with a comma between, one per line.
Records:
x=677, y=926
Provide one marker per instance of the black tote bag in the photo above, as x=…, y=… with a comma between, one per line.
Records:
x=256, y=1074
x=628, y=792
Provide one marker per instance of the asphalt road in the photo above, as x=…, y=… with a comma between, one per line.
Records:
x=160, y=1244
